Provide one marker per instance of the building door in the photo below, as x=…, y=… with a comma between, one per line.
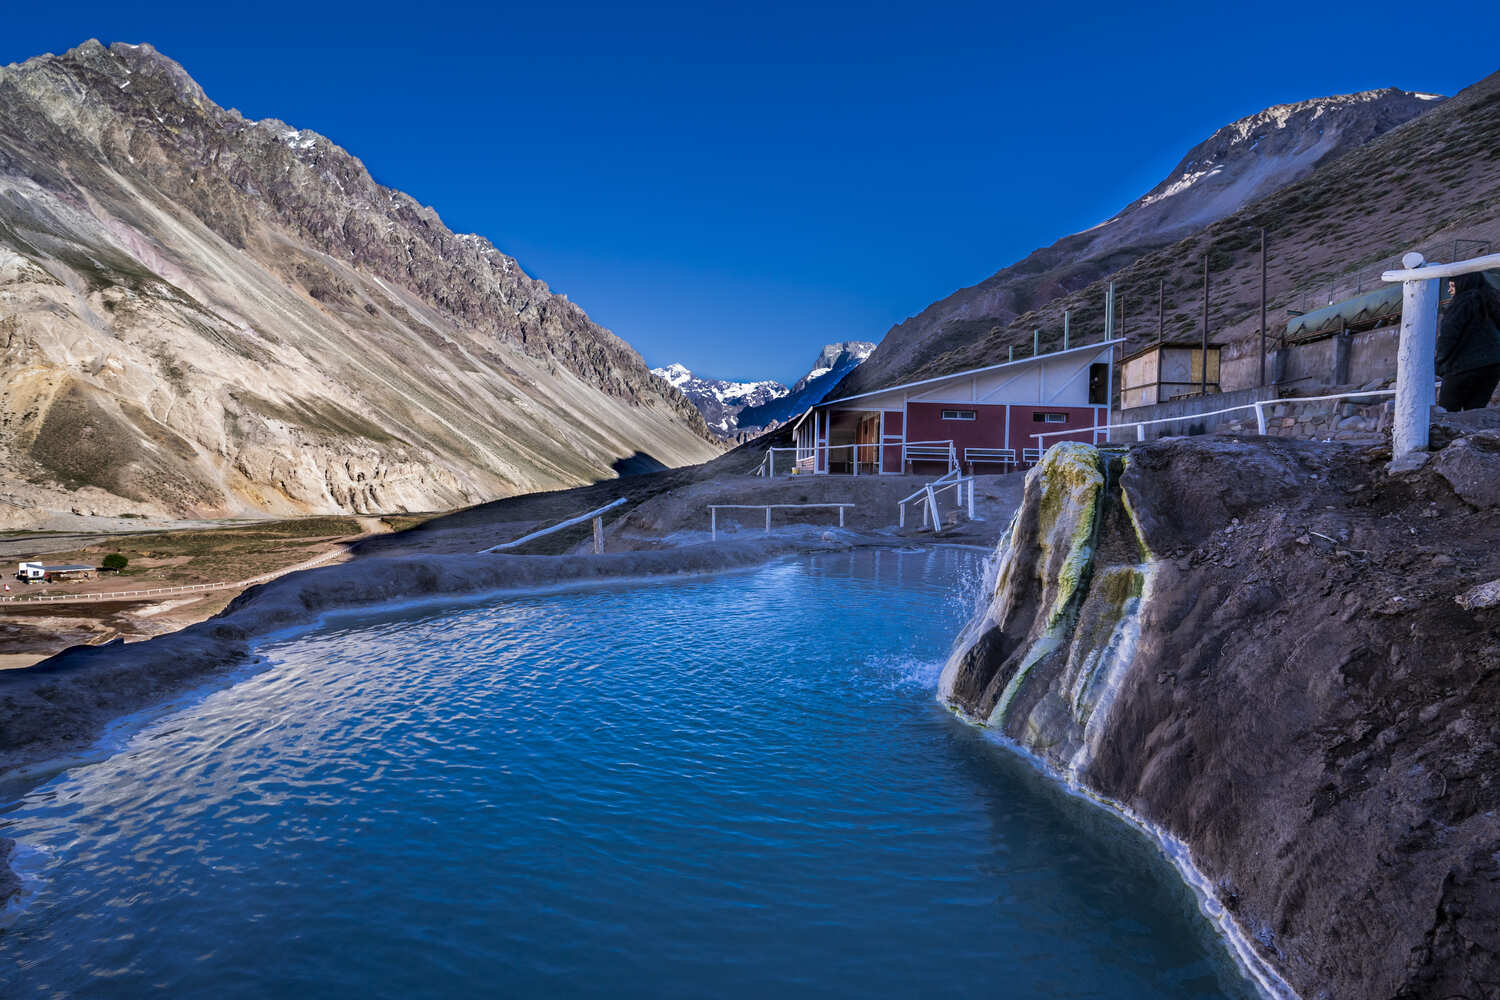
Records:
x=867, y=437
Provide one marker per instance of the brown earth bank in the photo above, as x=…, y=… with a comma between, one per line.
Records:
x=1311, y=703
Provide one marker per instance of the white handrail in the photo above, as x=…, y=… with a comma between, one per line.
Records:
x=714, y=508
x=1258, y=407
x=1421, y=272
x=556, y=527
x=929, y=494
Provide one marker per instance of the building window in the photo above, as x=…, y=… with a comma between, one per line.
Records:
x=1039, y=417
x=958, y=414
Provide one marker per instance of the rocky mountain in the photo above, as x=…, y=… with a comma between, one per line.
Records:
x=720, y=400
x=740, y=410
x=832, y=364
x=1432, y=184
x=1240, y=163
x=202, y=314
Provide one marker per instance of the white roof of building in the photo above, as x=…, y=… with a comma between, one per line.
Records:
x=966, y=373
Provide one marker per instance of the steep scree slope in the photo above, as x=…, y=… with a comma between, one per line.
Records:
x=203, y=314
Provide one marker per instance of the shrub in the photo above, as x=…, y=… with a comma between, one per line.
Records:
x=114, y=561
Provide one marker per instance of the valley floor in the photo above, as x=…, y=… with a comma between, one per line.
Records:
x=664, y=510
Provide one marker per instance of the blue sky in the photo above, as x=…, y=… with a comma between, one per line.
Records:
x=734, y=186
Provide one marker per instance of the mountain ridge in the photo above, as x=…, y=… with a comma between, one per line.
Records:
x=1234, y=166
x=298, y=337
x=739, y=409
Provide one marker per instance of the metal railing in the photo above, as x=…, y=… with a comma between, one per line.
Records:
x=598, y=530
x=713, y=512
x=929, y=451
x=929, y=494
x=767, y=466
x=1259, y=407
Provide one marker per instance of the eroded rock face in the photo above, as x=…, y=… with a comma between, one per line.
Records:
x=201, y=314
x=1297, y=694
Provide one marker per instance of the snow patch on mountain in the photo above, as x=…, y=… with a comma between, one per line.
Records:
x=737, y=407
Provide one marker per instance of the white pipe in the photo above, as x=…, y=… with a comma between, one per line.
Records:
x=1419, y=272
x=556, y=527
x=1415, y=358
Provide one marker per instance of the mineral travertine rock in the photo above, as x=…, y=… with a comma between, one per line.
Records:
x=1317, y=724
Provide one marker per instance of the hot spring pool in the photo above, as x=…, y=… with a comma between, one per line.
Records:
x=737, y=786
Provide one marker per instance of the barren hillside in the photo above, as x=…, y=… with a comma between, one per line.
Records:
x=1322, y=148
x=201, y=314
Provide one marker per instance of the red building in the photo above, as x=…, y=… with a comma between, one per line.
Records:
x=990, y=419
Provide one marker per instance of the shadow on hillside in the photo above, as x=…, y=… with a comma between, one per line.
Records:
x=639, y=464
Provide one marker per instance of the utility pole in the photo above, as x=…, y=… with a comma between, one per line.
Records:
x=1161, y=298
x=1262, y=308
x=1203, y=368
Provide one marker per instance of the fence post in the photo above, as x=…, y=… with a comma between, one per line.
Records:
x=768, y=519
x=841, y=517
x=713, y=523
x=971, y=499
x=902, y=508
x=1140, y=432
x=598, y=536
x=1415, y=362
x=937, y=519
x=1260, y=419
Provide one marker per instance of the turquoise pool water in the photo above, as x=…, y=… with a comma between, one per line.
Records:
x=737, y=786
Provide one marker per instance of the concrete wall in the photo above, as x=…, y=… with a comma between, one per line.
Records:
x=1366, y=357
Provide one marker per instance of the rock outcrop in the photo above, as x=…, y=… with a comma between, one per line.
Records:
x=201, y=314
x=1271, y=652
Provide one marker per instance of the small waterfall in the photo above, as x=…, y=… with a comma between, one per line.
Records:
x=1055, y=638
x=1046, y=653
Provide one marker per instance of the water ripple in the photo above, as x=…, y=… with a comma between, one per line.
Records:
x=733, y=786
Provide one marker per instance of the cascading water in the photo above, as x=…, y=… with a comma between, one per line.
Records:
x=1055, y=639
x=1044, y=656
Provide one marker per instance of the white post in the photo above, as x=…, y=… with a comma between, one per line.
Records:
x=841, y=517
x=855, y=453
x=768, y=519
x=1415, y=362
x=598, y=536
x=937, y=519
x=1140, y=432
x=1260, y=419
x=902, y=508
x=971, y=499
x=713, y=523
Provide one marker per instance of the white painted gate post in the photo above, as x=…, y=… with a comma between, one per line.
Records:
x=1415, y=361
